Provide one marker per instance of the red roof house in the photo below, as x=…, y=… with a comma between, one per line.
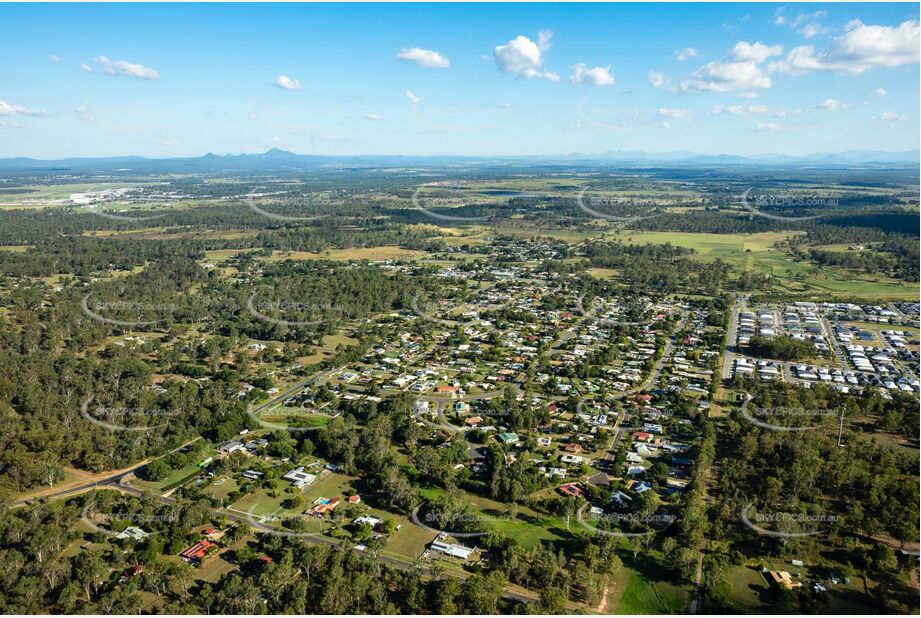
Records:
x=571, y=489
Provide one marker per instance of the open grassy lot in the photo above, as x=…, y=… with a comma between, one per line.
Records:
x=634, y=593
x=527, y=526
x=176, y=475
x=372, y=254
x=410, y=540
x=213, y=568
x=708, y=244
x=756, y=252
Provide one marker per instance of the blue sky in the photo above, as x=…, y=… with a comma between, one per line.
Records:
x=170, y=80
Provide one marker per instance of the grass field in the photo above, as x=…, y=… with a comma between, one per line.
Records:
x=715, y=245
x=372, y=254
x=176, y=475
x=633, y=593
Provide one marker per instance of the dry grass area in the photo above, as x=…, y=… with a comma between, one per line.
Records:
x=372, y=254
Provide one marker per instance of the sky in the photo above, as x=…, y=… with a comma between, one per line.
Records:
x=165, y=80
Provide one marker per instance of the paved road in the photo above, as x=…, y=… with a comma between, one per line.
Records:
x=657, y=370
x=292, y=390
x=731, y=350
x=833, y=343
x=115, y=478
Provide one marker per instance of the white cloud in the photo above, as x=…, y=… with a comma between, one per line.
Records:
x=54, y=58
x=666, y=112
x=523, y=57
x=813, y=29
x=741, y=70
x=84, y=112
x=121, y=67
x=427, y=58
x=831, y=105
x=860, y=49
x=372, y=116
x=739, y=110
x=684, y=54
x=657, y=80
x=412, y=97
x=167, y=142
x=767, y=126
x=726, y=75
x=881, y=92
x=8, y=109
x=597, y=76
x=286, y=83
x=747, y=95
x=756, y=52
x=890, y=117
x=805, y=24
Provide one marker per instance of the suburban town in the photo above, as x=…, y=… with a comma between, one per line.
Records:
x=460, y=309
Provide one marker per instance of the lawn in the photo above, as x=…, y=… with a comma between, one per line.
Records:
x=409, y=541
x=749, y=590
x=176, y=475
x=716, y=245
x=633, y=593
x=528, y=527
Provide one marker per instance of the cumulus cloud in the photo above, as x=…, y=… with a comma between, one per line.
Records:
x=596, y=76
x=811, y=30
x=881, y=92
x=739, y=110
x=8, y=109
x=286, y=83
x=756, y=52
x=107, y=66
x=657, y=79
x=525, y=58
x=860, y=49
x=415, y=100
x=427, y=58
x=666, y=112
x=684, y=54
x=805, y=24
x=767, y=126
x=891, y=118
x=372, y=116
x=726, y=75
x=747, y=95
x=831, y=105
x=741, y=70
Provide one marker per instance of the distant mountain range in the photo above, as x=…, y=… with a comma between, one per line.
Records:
x=276, y=159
